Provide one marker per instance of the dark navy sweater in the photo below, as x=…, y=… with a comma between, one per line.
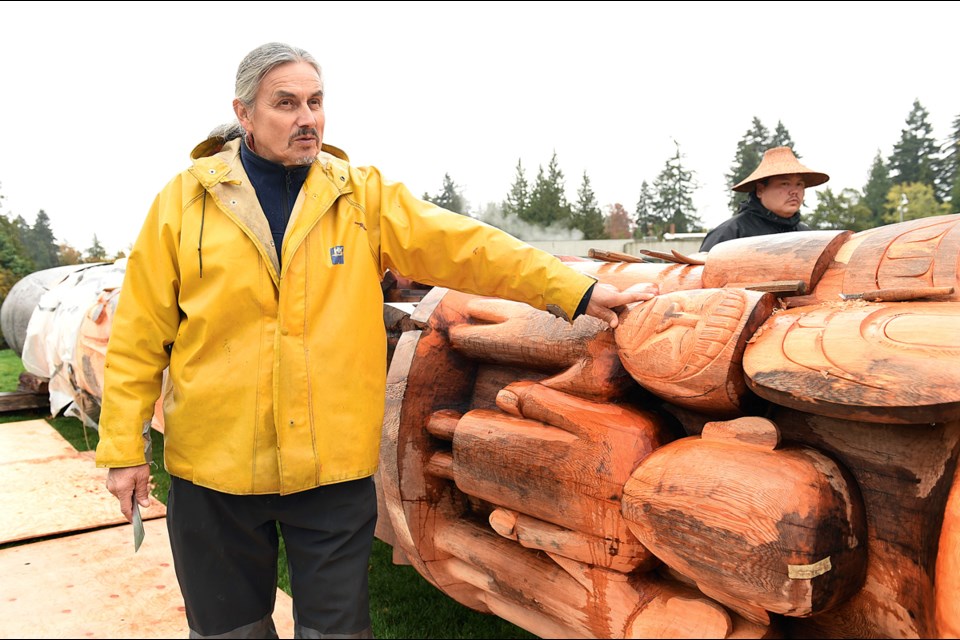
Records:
x=277, y=188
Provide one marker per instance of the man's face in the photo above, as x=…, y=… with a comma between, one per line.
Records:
x=782, y=195
x=285, y=124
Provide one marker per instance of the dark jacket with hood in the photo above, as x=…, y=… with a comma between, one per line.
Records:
x=753, y=219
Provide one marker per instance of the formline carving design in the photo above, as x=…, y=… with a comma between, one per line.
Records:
x=766, y=449
x=738, y=458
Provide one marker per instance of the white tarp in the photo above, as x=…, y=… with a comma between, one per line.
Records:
x=50, y=343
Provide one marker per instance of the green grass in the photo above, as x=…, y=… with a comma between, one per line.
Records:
x=402, y=603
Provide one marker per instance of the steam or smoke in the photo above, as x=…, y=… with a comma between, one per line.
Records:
x=494, y=216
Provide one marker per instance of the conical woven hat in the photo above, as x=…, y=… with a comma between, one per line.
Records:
x=780, y=161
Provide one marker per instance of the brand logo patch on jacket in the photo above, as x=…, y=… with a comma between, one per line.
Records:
x=336, y=254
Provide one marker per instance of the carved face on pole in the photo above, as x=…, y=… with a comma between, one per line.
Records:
x=688, y=345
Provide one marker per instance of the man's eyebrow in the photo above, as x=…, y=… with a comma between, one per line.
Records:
x=280, y=93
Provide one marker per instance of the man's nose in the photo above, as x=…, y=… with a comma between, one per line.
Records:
x=306, y=117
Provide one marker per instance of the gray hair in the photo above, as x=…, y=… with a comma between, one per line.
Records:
x=262, y=61
x=226, y=132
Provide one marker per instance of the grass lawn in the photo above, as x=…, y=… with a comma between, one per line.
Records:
x=402, y=603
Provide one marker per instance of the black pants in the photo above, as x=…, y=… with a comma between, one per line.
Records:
x=225, y=550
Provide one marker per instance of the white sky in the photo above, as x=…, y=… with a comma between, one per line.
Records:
x=101, y=103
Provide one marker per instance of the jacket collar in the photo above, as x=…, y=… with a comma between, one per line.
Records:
x=215, y=158
x=753, y=206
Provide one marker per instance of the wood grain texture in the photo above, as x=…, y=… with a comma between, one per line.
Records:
x=923, y=252
x=947, y=592
x=580, y=356
x=781, y=256
x=781, y=529
x=688, y=346
x=562, y=460
x=904, y=474
x=584, y=601
x=880, y=362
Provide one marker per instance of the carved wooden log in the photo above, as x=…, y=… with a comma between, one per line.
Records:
x=576, y=600
x=861, y=361
x=552, y=474
x=515, y=334
x=919, y=254
x=904, y=473
x=757, y=526
x=782, y=256
x=559, y=459
x=687, y=347
x=947, y=592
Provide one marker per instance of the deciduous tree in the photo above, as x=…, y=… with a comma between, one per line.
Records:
x=844, y=210
x=617, y=222
x=912, y=200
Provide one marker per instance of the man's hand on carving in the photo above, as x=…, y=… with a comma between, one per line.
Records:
x=606, y=302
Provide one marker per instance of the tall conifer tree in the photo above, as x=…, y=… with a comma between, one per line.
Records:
x=915, y=155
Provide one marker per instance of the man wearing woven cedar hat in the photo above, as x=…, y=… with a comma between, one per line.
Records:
x=776, y=192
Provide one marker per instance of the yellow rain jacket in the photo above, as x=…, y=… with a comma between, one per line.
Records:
x=278, y=374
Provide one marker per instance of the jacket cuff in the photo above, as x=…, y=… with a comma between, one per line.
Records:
x=584, y=302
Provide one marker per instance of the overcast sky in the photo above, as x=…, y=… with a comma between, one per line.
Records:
x=102, y=102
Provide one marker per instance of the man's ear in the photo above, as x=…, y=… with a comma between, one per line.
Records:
x=242, y=114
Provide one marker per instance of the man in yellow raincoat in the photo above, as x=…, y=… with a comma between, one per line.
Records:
x=256, y=280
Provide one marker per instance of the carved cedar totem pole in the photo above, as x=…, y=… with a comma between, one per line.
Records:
x=766, y=449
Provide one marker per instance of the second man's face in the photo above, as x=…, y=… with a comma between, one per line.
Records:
x=782, y=195
x=287, y=119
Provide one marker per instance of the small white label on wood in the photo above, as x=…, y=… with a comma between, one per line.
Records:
x=807, y=571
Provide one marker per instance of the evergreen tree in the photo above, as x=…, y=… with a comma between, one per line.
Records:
x=915, y=156
x=876, y=190
x=40, y=244
x=845, y=210
x=586, y=215
x=14, y=263
x=450, y=196
x=780, y=138
x=518, y=198
x=912, y=200
x=617, y=222
x=673, y=196
x=96, y=252
x=749, y=153
x=646, y=222
x=950, y=168
x=548, y=200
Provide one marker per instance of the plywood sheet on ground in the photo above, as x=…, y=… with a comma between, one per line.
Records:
x=93, y=585
x=60, y=494
x=31, y=440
